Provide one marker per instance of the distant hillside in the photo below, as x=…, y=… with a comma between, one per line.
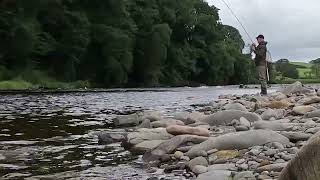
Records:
x=304, y=69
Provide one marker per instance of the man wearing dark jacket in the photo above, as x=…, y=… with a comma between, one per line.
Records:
x=261, y=62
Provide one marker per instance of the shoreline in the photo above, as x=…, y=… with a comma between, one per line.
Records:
x=235, y=137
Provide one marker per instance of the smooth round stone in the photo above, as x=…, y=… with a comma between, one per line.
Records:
x=178, y=154
x=199, y=169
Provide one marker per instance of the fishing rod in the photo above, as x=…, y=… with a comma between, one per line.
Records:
x=234, y=14
x=245, y=30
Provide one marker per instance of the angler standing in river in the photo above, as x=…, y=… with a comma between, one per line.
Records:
x=261, y=62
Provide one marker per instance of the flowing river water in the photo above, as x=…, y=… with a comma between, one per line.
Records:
x=54, y=136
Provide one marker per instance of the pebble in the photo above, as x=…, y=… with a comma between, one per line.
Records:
x=185, y=158
x=243, y=166
x=178, y=154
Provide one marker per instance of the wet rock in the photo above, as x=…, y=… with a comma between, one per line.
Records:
x=109, y=138
x=143, y=134
x=180, y=130
x=199, y=169
x=137, y=118
x=197, y=161
x=133, y=119
x=239, y=140
x=295, y=88
x=145, y=124
x=273, y=113
x=272, y=167
x=146, y=146
x=235, y=106
x=246, y=175
x=178, y=154
x=225, y=117
x=301, y=110
x=189, y=118
x=305, y=164
x=216, y=175
x=296, y=136
x=166, y=122
x=170, y=145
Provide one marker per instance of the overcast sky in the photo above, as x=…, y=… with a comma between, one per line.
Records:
x=291, y=27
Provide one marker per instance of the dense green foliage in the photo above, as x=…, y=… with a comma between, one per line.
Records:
x=286, y=69
x=116, y=43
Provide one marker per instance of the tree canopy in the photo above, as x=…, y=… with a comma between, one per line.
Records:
x=121, y=43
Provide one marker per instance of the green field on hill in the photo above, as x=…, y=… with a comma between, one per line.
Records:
x=304, y=69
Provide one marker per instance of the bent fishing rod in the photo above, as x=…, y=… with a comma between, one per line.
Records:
x=245, y=30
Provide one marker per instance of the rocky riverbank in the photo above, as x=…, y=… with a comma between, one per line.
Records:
x=236, y=137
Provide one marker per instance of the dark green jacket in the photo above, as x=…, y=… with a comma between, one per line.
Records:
x=261, y=54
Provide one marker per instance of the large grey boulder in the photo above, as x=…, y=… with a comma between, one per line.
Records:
x=145, y=146
x=275, y=113
x=245, y=175
x=239, y=140
x=302, y=110
x=274, y=126
x=295, y=88
x=305, y=165
x=143, y=134
x=137, y=118
x=169, y=146
x=180, y=130
x=225, y=117
x=296, y=136
x=215, y=175
x=109, y=138
x=236, y=106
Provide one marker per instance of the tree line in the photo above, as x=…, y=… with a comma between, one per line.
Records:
x=120, y=43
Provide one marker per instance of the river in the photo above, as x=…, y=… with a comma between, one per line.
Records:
x=54, y=136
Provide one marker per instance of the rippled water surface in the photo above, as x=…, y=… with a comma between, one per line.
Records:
x=54, y=136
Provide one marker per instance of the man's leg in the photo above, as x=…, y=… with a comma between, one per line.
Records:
x=262, y=71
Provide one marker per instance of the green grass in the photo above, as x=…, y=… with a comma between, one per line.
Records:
x=304, y=69
x=18, y=84
x=307, y=65
x=15, y=85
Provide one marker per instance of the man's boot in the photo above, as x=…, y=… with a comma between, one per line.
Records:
x=264, y=91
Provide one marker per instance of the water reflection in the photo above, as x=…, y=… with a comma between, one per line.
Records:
x=54, y=135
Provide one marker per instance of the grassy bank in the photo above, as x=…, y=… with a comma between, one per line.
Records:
x=24, y=85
